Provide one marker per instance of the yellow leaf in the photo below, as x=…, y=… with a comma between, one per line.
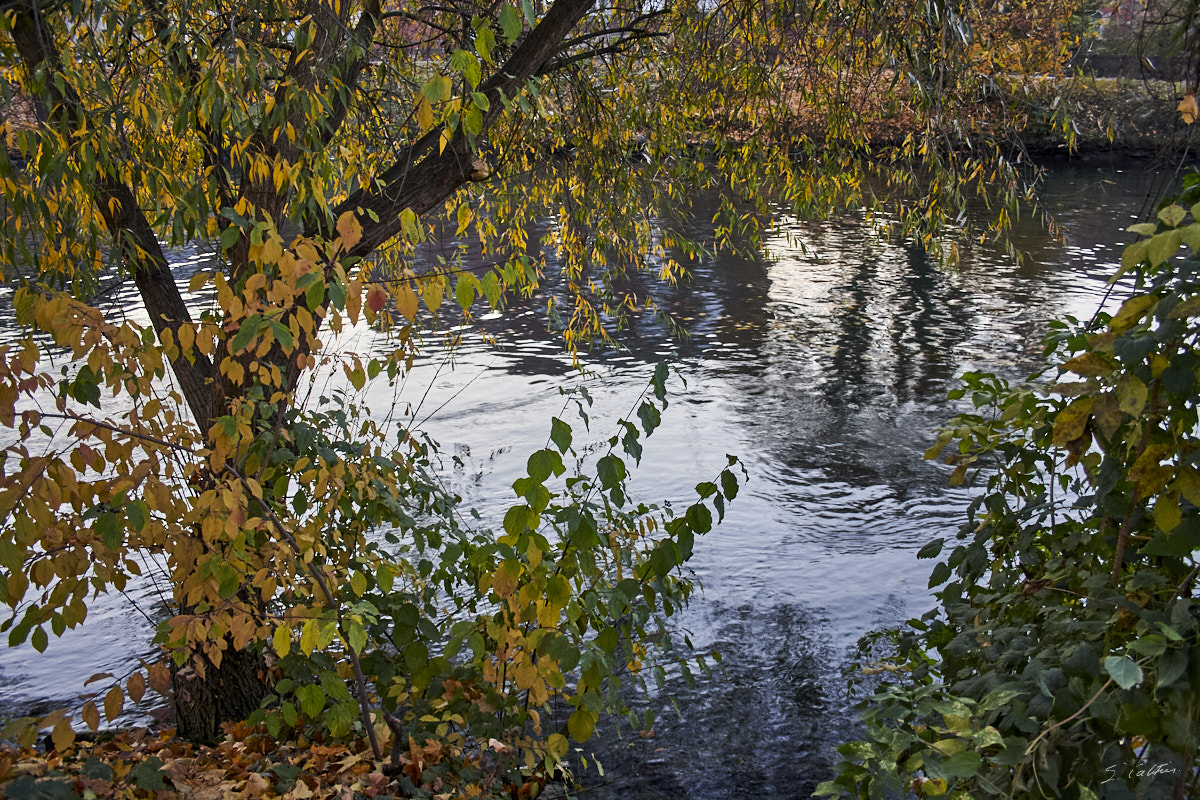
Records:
x=557, y=746
x=187, y=339
x=1166, y=512
x=424, y=114
x=1131, y=394
x=197, y=282
x=406, y=302
x=465, y=215
x=1187, y=108
x=272, y=251
x=114, y=701
x=581, y=723
x=309, y=637
x=432, y=292
x=282, y=641
x=1132, y=310
x=1188, y=484
x=350, y=230
x=1089, y=365
x=1072, y=421
x=62, y=735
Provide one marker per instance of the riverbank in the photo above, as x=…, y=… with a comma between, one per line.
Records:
x=1086, y=115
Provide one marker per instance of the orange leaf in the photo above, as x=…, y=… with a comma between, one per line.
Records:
x=376, y=297
x=1188, y=109
x=504, y=582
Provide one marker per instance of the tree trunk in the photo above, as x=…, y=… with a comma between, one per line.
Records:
x=228, y=693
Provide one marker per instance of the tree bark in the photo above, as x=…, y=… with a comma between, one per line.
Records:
x=227, y=693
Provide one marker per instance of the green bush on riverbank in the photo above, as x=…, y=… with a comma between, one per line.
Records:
x=1064, y=657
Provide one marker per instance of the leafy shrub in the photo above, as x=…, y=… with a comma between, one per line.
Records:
x=1063, y=659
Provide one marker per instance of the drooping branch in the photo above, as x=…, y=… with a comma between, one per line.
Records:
x=123, y=218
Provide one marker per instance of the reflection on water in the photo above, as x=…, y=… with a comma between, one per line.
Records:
x=823, y=367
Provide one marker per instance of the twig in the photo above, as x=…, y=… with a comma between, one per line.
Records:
x=1060, y=723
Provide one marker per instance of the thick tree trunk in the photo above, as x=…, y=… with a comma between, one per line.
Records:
x=225, y=694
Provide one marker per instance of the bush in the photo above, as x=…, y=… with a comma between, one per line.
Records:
x=1063, y=658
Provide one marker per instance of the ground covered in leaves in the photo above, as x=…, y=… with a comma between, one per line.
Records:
x=137, y=764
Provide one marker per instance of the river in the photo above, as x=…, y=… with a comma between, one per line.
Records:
x=822, y=364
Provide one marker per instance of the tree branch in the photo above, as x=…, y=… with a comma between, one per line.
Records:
x=424, y=177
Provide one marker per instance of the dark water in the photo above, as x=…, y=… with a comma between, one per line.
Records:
x=823, y=365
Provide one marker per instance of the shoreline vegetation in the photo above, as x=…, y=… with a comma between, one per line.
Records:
x=1081, y=115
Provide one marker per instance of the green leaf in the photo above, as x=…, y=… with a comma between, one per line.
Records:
x=1172, y=215
x=464, y=291
x=1134, y=255
x=138, y=514
x=1124, y=671
x=961, y=765
x=229, y=236
x=560, y=434
x=472, y=121
x=465, y=62
x=111, y=530
x=312, y=700
x=932, y=549
x=1163, y=246
x=611, y=471
x=485, y=41
x=581, y=724
x=148, y=775
x=1170, y=667
x=510, y=23
x=729, y=484
x=437, y=88
x=282, y=334
x=558, y=590
x=543, y=464
x=650, y=417
x=699, y=518
x=246, y=333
